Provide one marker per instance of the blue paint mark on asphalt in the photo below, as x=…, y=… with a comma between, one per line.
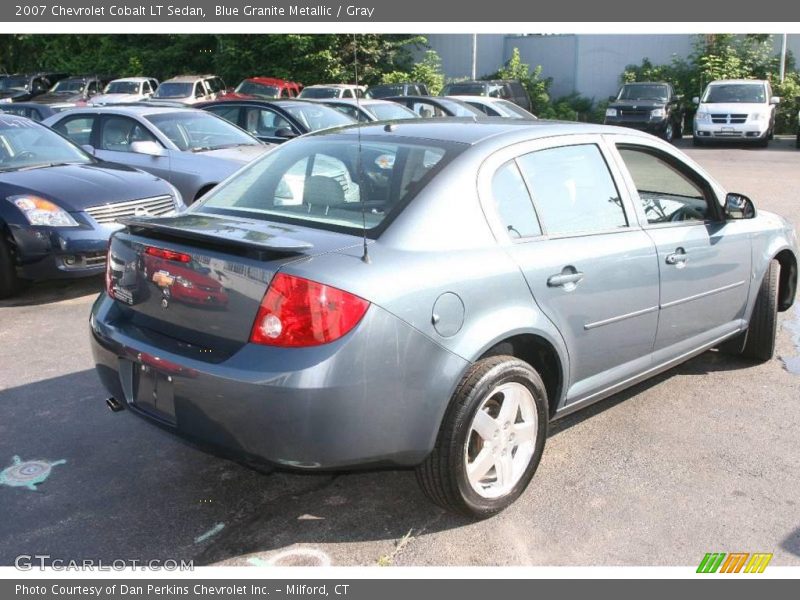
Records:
x=210, y=533
x=27, y=474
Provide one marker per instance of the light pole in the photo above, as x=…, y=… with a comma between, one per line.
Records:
x=474, y=55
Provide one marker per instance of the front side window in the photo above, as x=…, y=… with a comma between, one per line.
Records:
x=120, y=132
x=331, y=183
x=573, y=190
x=263, y=122
x=667, y=195
x=513, y=203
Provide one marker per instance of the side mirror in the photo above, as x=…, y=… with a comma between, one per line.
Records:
x=285, y=132
x=696, y=100
x=612, y=98
x=148, y=147
x=775, y=100
x=88, y=148
x=739, y=206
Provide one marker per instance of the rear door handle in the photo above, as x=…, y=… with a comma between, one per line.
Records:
x=565, y=279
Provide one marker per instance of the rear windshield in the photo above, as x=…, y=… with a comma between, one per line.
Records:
x=384, y=91
x=252, y=88
x=122, y=87
x=320, y=92
x=327, y=182
x=174, y=90
x=464, y=89
x=391, y=110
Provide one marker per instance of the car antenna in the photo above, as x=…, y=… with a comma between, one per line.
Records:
x=365, y=256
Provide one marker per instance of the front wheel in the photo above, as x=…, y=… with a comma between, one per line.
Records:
x=491, y=439
x=669, y=132
x=762, y=330
x=9, y=284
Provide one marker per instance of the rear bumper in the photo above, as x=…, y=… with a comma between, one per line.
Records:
x=375, y=397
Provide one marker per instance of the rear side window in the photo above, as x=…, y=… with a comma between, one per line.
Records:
x=513, y=203
x=331, y=183
x=573, y=190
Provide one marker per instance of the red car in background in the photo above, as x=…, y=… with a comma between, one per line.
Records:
x=254, y=88
x=188, y=282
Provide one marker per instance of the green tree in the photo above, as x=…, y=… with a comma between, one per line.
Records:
x=428, y=71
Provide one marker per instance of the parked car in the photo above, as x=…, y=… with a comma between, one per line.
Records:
x=275, y=121
x=22, y=88
x=60, y=204
x=29, y=110
x=433, y=106
x=333, y=90
x=736, y=109
x=73, y=91
x=489, y=277
x=496, y=107
x=192, y=149
x=191, y=89
x=384, y=90
x=798, y=124
x=653, y=107
x=368, y=109
x=254, y=88
x=128, y=89
x=506, y=89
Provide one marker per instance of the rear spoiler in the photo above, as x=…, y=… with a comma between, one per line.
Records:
x=230, y=232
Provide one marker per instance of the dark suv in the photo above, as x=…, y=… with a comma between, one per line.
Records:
x=507, y=89
x=23, y=87
x=649, y=106
x=74, y=90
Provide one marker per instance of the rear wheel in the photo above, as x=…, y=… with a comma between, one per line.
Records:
x=669, y=132
x=762, y=330
x=491, y=439
x=9, y=283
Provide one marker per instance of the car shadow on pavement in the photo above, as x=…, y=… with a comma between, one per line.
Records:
x=130, y=490
x=48, y=292
x=792, y=542
x=783, y=144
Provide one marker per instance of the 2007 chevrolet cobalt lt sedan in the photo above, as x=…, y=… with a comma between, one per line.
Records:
x=509, y=274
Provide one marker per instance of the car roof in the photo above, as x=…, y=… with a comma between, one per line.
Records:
x=352, y=101
x=481, y=99
x=188, y=78
x=280, y=102
x=271, y=80
x=451, y=129
x=334, y=85
x=645, y=83
x=138, y=109
x=735, y=81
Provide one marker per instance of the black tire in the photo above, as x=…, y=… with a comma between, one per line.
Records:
x=9, y=283
x=443, y=475
x=696, y=141
x=669, y=132
x=762, y=329
x=797, y=141
x=763, y=142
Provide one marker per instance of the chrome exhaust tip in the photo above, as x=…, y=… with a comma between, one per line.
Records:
x=114, y=405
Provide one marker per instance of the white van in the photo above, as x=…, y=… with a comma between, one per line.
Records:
x=736, y=109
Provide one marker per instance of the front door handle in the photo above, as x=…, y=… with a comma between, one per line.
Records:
x=677, y=258
x=568, y=279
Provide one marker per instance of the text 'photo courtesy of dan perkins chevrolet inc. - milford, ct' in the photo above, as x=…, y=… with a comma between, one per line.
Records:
x=176, y=10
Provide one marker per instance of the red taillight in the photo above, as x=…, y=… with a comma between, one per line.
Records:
x=109, y=279
x=168, y=254
x=296, y=312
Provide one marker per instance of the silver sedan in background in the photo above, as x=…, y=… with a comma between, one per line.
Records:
x=192, y=149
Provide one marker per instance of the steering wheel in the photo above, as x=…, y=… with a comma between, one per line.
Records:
x=26, y=154
x=687, y=213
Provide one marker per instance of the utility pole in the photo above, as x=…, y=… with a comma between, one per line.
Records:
x=474, y=55
x=783, y=58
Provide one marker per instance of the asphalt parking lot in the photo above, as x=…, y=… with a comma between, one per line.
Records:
x=704, y=458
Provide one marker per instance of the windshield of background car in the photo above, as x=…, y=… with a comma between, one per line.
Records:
x=464, y=89
x=384, y=91
x=122, y=87
x=747, y=93
x=460, y=110
x=68, y=86
x=390, y=110
x=174, y=90
x=320, y=93
x=317, y=116
x=19, y=83
x=332, y=183
x=510, y=110
x=251, y=88
x=198, y=131
x=644, y=92
x=26, y=145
